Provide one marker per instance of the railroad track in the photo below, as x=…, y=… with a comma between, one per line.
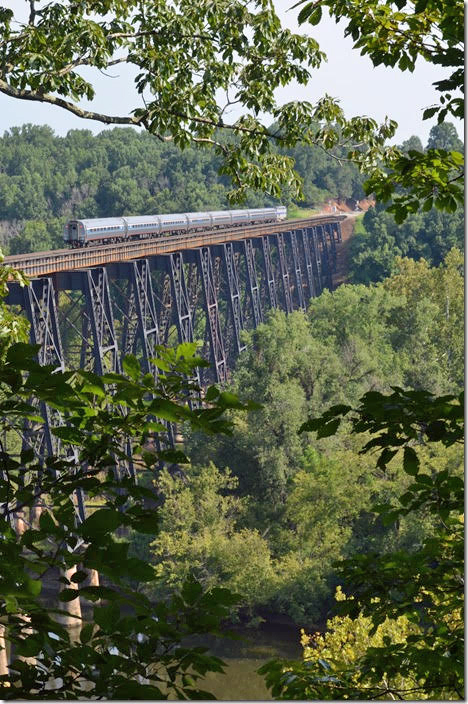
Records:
x=45, y=263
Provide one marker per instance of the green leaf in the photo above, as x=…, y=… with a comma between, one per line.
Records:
x=96, y=593
x=29, y=647
x=79, y=576
x=191, y=591
x=410, y=461
x=11, y=604
x=131, y=690
x=68, y=594
x=46, y=523
x=33, y=586
x=106, y=616
x=86, y=632
x=229, y=400
x=329, y=428
x=104, y=520
x=436, y=430
x=131, y=366
x=27, y=456
x=212, y=393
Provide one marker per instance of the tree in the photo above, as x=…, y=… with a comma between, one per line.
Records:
x=200, y=537
x=412, y=143
x=187, y=54
x=444, y=136
x=396, y=33
x=378, y=241
x=425, y=587
x=132, y=647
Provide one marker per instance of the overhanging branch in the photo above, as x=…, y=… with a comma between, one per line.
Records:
x=66, y=105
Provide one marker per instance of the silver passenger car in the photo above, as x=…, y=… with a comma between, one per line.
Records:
x=79, y=233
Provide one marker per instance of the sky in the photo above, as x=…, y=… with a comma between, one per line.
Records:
x=361, y=88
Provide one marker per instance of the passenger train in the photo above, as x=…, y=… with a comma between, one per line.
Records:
x=80, y=233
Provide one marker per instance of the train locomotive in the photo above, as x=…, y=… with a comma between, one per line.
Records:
x=80, y=233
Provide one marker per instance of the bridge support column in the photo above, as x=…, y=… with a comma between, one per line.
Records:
x=316, y=260
x=325, y=258
x=252, y=282
x=337, y=230
x=297, y=271
x=330, y=231
x=181, y=303
x=40, y=308
x=141, y=322
x=99, y=342
x=233, y=287
x=180, y=297
x=270, y=282
x=3, y=653
x=99, y=337
x=308, y=263
x=39, y=303
x=284, y=272
x=217, y=353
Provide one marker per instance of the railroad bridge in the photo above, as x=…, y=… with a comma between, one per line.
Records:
x=90, y=307
x=123, y=298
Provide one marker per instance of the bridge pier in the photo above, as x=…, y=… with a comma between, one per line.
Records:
x=234, y=294
x=218, y=355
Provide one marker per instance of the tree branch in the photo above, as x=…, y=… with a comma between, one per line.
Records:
x=116, y=119
x=32, y=12
x=75, y=109
x=82, y=61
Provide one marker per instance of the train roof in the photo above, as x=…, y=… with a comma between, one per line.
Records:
x=100, y=222
x=139, y=219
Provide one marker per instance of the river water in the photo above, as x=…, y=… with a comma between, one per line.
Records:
x=245, y=655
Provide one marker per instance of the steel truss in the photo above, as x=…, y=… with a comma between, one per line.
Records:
x=99, y=338
x=309, y=269
x=181, y=295
x=141, y=322
x=316, y=260
x=252, y=281
x=297, y=271
x=284, y=272
x=38, y=301
x=210, y=284
x=146, y=314
x=325, y=258
x=183, y=310
x=269, y=274
x=233, y=291
x=330, y=232
x=99, y=347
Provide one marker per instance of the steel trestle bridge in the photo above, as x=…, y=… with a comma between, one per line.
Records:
x=90, y=307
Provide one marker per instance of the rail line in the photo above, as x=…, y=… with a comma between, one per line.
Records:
x=44, y=263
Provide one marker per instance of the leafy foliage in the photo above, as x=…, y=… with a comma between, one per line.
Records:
x=199, y=536
x=424, y=588
x=186, y=56
x=396, y=33
x=378, y=241
x=345, y=642
x=311, y=497
x=132, y=648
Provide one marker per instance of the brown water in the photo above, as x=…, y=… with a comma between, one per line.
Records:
x=243, y=657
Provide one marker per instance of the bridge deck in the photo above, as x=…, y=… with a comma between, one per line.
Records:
x=44, y=263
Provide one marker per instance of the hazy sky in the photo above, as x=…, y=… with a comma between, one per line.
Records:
x=361, y=88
